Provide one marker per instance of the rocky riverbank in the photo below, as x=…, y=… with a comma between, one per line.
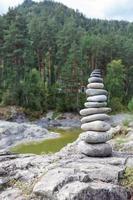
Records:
x=12, y=133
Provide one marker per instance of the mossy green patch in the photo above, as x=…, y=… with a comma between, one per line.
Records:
x=50, y=145
x=120, y=141
x=127, y=180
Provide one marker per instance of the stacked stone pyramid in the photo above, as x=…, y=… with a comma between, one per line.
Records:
x=92, y=142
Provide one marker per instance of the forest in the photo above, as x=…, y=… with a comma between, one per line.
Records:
x=48, y=50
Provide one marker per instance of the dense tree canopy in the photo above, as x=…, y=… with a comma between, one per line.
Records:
x=48, y=50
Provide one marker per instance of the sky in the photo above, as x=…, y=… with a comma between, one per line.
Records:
x=103, y=9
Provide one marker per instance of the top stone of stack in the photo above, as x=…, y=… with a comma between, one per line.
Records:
x=95, y=77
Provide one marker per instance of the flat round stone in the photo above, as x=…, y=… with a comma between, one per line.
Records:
x=97, y=98
x=95, y=104
x=95, y=150
x=95, y=79
x=95, y=85
x=94, y=137
x=95, y=117
x=93, y=92
x=90, y=111
x=99, y=126
x=95, y=75
x=97, y=70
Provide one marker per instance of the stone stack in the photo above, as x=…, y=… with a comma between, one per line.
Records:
x=92, y=142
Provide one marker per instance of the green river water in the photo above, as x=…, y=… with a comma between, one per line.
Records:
x=50, y=145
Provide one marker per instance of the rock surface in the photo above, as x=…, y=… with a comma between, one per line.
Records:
x=67, y=175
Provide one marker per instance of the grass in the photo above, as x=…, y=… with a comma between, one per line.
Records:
x=127, y=180
x=50, y=145
x=119, y=142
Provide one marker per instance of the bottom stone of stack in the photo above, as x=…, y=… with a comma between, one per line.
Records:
x=94, y=137
x=95, y=150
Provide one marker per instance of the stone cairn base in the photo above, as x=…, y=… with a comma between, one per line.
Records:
x=92, y=142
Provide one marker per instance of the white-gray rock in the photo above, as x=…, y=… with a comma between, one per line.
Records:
x=58, y=178
x=95, y=85
x=95, y=104
x=95, y=75
x=95, y=150
x=96, y=126
x=95, y=79
x=93, y=92
x=90, y=118
x=12, y=132
x=97, y=98
x=97, y=70
x=90, y=111
x=12, y=194
x=94, y=137
x=89, y=191
x=67, y=174
x=129, y=162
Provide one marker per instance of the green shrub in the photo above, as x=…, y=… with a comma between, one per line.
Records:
x=130, y=105
x=116, y=105
x=8, y=98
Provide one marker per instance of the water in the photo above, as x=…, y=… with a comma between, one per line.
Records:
x=50, y=145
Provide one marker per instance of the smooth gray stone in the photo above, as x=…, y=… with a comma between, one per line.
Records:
x=95, y=75
x=94, y=137
x=90, y=111
x=95, y=150
x=97, y=70
x=95, y=104
x=93, y=92
x=96, y=126
x=97, y=98
x=95, y=80
x=95, y=85
x=94, y=117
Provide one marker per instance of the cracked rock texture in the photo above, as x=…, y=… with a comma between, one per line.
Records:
x=66, y=175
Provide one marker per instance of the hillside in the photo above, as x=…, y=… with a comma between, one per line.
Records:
x=48, y=50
